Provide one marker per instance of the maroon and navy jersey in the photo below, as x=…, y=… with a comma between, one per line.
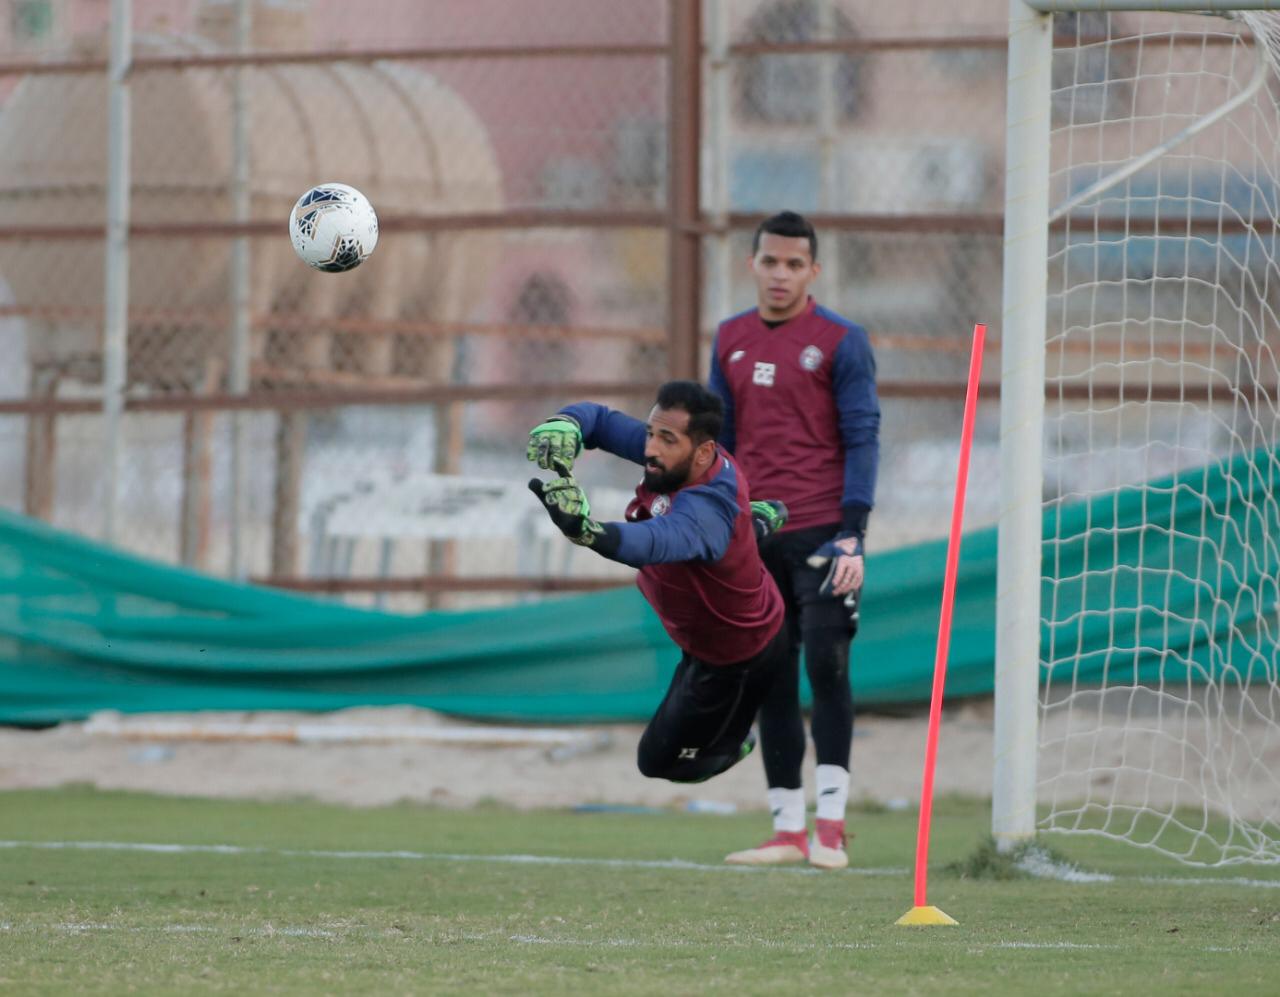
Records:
x=695, y=547
x=802, y=417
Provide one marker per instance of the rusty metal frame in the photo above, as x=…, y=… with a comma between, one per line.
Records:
x=684, y=178
x=943, y=223
x=295, y=400
x=301, y=400
x=847, y=46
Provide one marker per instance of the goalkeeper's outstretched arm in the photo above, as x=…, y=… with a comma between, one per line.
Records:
x=698, y=527
x=608, y=429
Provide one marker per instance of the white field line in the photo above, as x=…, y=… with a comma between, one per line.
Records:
x=1261, y=884
x=666, y=943
x=176, y=849
x=345, y=931
x=1072, y=946
x=167, y=849
x=1051, y=945
x=85, y=927
x=1038, y=864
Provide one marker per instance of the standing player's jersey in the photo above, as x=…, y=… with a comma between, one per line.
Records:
x=695, y=547
x=802, y=417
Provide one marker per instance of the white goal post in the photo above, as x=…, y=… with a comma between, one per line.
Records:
x=1137, y=628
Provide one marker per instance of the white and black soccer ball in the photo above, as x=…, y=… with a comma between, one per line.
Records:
x=333, y=227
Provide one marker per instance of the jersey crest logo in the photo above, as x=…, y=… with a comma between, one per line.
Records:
x=660, y=505
x=810, y=358
x=737, y=355
x=763, y=374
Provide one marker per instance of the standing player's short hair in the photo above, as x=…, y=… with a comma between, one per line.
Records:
x=706, y=411
x=790, y=225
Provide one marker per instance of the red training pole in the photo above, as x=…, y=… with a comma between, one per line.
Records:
x=944, y=623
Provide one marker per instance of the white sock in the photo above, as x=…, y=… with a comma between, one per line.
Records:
x=833, y=792
x=788, y=809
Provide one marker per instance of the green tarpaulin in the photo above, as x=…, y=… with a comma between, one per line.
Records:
x=84, y=627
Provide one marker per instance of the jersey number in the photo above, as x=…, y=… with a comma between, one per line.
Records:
x=763, y=374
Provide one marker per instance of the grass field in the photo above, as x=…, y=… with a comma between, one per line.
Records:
x=304, y=898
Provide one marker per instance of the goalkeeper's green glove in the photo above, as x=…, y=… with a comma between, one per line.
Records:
x=768, y=517
x=555, y=444
x=567, y=505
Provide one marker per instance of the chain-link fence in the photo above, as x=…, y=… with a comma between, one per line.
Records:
x=364, y=432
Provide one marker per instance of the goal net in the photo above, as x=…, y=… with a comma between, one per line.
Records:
x=1159, y=699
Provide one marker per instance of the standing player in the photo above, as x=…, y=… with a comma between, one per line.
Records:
x=691, y=533
x=803, y=421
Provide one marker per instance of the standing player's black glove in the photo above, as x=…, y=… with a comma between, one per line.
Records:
x=842, y=556
x=555, y=444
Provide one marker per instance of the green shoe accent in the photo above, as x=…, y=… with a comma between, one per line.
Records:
x=744, y=749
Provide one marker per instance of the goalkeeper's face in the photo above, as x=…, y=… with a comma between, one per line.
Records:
x=782, y=268
x=671, y=458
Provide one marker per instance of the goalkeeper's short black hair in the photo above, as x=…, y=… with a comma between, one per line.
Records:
x=790, y=225
x=706, y=411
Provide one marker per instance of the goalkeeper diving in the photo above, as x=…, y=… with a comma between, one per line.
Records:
x=692, y=532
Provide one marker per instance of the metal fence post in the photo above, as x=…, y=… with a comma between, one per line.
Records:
x=684, y=246
x=115, y=319
x=240, y=287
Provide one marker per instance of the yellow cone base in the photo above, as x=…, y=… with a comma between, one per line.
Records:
x=924, y=916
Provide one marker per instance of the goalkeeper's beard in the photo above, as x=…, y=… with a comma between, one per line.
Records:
x=667, y=480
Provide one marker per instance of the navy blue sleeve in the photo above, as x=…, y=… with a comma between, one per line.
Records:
x=610, y=430
x=698, y=527
x=853, y=382
x=719, y=386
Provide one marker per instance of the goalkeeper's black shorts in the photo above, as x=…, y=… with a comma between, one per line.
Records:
x=700, y=728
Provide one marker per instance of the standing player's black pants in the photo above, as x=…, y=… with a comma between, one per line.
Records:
x=822, y=627
x=698, y=729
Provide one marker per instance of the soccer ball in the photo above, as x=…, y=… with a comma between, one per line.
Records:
x=333, y=227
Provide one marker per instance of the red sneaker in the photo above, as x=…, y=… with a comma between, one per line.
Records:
x=827, y=850
x=783, y=848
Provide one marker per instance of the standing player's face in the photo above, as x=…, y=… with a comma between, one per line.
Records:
x=668, y=450
x=783, y=269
